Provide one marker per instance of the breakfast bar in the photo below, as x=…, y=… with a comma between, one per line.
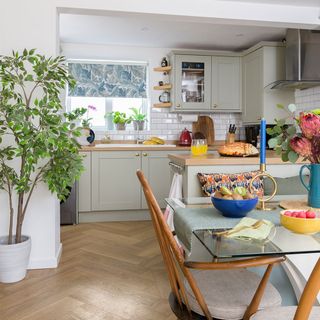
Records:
x=191, y=165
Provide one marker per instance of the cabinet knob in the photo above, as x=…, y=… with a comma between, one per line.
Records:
x=215, y=105
x=144, y=154
x=178, y=106
x=137, y=154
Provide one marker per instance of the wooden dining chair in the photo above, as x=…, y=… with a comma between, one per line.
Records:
x=217, y=290
x=305, y=309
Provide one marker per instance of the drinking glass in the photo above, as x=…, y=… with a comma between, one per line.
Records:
x=199, y=147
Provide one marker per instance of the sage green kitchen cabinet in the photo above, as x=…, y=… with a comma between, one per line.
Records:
x=191, y=83
x=226, y=84
x=115, y=186
x=114, y=182
x=155, y=166
x=260, y=67
x=84, y=190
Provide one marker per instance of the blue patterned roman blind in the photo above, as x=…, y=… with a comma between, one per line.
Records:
x=109, y=80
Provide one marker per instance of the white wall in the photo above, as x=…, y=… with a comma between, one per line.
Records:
x=308, y=99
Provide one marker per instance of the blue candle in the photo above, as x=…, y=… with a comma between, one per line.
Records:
x=263, y=141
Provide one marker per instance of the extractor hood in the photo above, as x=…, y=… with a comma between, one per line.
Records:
x=302, y=60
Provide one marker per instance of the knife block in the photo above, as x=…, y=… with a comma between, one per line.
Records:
x=231, y=138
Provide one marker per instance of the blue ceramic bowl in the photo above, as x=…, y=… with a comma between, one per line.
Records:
x=234, y=208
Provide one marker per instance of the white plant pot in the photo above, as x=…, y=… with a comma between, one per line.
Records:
x=14, y=259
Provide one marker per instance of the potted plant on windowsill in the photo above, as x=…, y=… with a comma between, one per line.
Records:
x=138, y=119
x=120, y=119
x=87, y=134
x=37, y=145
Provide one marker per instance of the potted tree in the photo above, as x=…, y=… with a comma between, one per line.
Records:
x=37, y=144
x=120, y=119
x=138, y=119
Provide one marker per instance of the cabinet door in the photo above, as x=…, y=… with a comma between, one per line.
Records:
x=115, y=185
x=155, y=166
x=226, y=84
x=84, y=193
x=252, y=81
x=192, y=82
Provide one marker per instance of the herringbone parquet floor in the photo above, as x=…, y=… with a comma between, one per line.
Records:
x=108, y=271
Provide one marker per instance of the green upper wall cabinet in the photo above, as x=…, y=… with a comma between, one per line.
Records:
x=261, y=67
x=192, y=82
x=206, y=83
x=226, y=84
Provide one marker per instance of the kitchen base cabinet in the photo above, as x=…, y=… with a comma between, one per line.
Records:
x=84, y=190
x=115, y=186
x=114, y=183
x=155, y=166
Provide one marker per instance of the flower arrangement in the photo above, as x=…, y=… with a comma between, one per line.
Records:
x=86, y=122
x=297, y=136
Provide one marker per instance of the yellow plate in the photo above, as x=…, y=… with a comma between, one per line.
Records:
x=300, y=225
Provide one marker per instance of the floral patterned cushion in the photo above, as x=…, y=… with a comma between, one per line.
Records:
x=211, y=182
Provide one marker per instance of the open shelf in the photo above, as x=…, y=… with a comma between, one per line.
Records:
x=164, y=87
x=162, y=69
x=162, y=105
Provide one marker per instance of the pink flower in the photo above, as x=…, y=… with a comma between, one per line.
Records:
x=309, y=124
x=92, y=107
x=301, y=146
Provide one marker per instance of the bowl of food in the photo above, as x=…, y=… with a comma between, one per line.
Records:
x=234, y=203
x=300, y=221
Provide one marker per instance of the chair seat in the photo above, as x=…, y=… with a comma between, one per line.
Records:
x=229, y=292
x=283, y=313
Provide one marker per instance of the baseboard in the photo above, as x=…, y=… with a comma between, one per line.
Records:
x=109, y=216
x=47, y=263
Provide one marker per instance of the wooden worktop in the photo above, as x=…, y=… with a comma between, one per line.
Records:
x=142, y=147
x=214, y=158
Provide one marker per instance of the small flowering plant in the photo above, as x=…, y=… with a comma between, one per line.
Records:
x=297, y=136
x=86, y=121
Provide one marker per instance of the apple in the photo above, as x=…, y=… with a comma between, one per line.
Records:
x=310, y=215
x=301, y=214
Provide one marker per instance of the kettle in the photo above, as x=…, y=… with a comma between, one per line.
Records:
x=185, y=138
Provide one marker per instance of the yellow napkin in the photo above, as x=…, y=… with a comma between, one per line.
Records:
x=260, y=233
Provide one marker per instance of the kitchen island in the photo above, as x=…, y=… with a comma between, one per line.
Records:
x=214, y=163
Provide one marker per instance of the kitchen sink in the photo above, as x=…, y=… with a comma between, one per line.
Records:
x=126, y=145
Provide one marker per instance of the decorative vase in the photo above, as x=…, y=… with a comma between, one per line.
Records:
x=120, y=126
x=138, y=125
x=314, y=184
x=14, y=259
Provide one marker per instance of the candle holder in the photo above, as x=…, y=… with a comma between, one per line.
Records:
x=262, y=201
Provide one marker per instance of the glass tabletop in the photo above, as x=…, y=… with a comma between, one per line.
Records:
x=279, y=242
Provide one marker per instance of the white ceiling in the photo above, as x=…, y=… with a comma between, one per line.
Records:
x=297, y=3
x=165, y=32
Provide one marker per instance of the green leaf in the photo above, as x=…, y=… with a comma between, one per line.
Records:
x=273, y=142
x=292, y=156
x=284, y=157
x=291, y=130
x=280, y=106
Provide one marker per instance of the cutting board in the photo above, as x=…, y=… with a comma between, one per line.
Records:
x=205, y=126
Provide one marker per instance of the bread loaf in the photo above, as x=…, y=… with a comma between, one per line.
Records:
x=238, y=149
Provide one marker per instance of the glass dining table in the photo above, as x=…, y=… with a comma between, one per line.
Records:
x=197, y=225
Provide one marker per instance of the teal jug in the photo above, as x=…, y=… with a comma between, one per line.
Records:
x=314, y=184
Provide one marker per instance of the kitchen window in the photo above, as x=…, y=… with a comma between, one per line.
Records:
x=108, y=86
